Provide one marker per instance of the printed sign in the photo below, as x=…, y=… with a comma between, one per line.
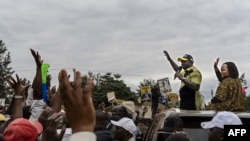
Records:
x=164, y=85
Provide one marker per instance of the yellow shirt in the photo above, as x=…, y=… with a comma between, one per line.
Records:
x=194, y=77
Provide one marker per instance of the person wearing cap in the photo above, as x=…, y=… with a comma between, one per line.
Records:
x=216, y=125
x=191, y=78
x=228, y=96
x=125, y=129
x=22, y=129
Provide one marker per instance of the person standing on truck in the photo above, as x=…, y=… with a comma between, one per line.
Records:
x=191, y=78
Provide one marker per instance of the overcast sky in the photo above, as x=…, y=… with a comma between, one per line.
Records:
x=127, y=37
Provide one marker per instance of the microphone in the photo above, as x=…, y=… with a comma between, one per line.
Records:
x=179, y=69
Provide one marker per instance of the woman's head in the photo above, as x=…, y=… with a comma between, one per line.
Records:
x=229, y=69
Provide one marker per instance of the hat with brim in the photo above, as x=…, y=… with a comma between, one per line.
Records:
x=222, y=118
x=182, y=59
x=186, y=57
x=22, y=129
x=126, y=123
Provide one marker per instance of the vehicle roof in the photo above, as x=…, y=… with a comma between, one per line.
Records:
x=191, y=120
x=203, y=113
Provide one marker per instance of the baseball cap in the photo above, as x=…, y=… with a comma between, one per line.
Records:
x=2, y=117
x=126, y=123
x=221, y=119
x=186, y=57
x=22, y=129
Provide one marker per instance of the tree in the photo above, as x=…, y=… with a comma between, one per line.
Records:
x=5, y=70
x=247, y=97
x=108, y=83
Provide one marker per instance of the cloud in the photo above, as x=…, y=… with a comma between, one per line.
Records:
x=126, y=37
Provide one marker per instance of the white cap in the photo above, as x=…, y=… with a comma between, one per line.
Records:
x=126, y=123
x=221, y=119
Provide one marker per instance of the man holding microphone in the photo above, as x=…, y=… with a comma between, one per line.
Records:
x=190, y=78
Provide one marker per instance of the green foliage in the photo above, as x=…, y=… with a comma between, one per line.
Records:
x=247, y=103
x=5, y=70
x=104, y=84
x=247, y=98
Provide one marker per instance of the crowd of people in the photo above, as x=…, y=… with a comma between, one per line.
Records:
x=31, y=118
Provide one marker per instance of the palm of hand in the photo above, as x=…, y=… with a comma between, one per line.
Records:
x=17, y=85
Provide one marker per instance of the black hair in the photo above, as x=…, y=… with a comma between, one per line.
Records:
x=121, y=111
x=173, y=121
x=232, y=69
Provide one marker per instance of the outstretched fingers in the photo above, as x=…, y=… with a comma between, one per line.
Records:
x=64, y=85
x=87, y=92
x=77, y=80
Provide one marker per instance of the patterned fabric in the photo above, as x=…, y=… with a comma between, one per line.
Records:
x=229, y=92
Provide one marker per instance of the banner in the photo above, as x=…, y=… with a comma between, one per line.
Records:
x=164, y=85
x=173, y=100
x=111, y=96
x=145, y=93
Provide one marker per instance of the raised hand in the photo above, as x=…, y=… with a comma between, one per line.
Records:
x=216, y=62
x=77, y=102
x=166, y=54
x=16, y=104
x=50, y=125
x=37, y=58
x=17, y=85
x=37, y=82
x=217, y=71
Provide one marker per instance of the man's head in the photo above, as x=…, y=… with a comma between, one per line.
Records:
x=124, y=127
x=216, y=125
x=174, y=123
x=102, y=118
x=120, y=111
x=186, y=61
x=22, y=129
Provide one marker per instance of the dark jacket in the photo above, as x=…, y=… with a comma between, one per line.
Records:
x=103, y=134
x=164, y=133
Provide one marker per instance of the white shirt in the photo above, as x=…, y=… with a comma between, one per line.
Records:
x=83, y=136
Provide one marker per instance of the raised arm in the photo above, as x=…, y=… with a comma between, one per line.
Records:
x=78, y=102
x=37, y=82
x=216, y=70
x=19, y=89
x=173, y=64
